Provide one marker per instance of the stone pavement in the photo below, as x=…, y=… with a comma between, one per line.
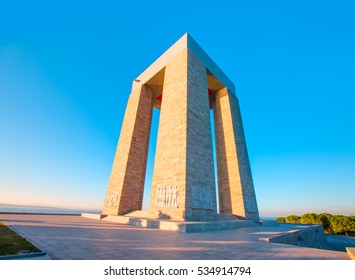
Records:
x=75, y=238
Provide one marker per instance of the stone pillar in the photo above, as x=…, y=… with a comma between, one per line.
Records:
x=125, y=189
x=235, y=184
x=183, y=185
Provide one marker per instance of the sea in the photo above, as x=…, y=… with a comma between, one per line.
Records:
x=12, y=208
x=9, y=208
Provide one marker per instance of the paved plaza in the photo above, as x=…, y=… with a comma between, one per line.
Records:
x=76, y=238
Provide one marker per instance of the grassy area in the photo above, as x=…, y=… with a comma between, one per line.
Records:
x=11, y=243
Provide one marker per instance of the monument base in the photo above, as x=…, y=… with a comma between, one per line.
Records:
x=139, y=218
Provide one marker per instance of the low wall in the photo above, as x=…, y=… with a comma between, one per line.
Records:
x=307, y=236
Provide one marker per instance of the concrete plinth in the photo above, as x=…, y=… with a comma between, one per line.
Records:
x=180, y=226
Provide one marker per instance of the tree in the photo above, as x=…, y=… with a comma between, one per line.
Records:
x=281, y=219
x=292, y=219
x=336, y=224
x=342, y=224
x=310, y=218
x=324, y=218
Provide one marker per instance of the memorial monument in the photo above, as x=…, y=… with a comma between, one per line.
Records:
x=184, y=84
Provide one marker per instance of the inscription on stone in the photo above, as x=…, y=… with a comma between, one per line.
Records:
x=201, y=198
x=167, y=196
x=111, y=199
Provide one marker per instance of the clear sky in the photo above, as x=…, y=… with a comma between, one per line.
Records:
x=66, y=70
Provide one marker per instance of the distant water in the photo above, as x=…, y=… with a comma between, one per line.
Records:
x=268, y=218
x=6, y=208
x=55, y=210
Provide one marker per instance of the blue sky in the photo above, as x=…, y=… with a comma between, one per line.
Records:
x=66, y=71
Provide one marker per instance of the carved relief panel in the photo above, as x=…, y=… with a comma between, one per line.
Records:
x=167, y=196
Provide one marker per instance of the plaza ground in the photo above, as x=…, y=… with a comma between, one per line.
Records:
x=74, y=238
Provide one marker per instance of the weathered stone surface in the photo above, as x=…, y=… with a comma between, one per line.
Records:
x=125, y=189
x=236, y=189
x=184, y=146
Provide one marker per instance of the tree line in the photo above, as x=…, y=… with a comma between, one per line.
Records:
x=332, y=224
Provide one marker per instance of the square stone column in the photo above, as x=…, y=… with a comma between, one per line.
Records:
x=125, y=189
x=183, y=185
x=235, y=184
x=184, y=83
